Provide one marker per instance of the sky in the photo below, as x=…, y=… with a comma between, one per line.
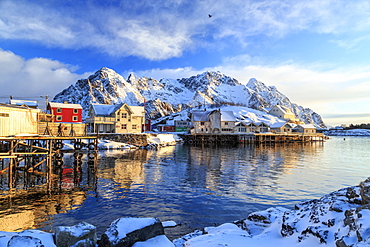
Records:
x=315, y=52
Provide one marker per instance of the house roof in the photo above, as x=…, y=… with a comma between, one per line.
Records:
x=62, y=105
x=23, y=102
x=307, y=126
x=201, y=116
x=227, y=116
x=107, y=110
x=18, y=107
x=138, y=111
x=104, y=110
x=282, y=108
x=279, y=125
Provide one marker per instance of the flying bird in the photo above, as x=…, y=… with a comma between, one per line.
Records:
x=209, y=15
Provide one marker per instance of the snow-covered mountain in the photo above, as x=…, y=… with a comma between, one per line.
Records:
x=168, y=96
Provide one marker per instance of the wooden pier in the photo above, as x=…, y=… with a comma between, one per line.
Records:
x=40, y=153
x=221, y=139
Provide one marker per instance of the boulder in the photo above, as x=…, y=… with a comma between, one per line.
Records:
x=28, y=241
x=125, y=232
x=80, y=235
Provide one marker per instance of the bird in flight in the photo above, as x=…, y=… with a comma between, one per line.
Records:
x=209, y=15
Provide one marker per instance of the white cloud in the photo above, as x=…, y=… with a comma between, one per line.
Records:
x=34, y=77
x=167, y=28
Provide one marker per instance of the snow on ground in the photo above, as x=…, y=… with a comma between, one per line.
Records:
x=250, y=115
x=153, y=139
x=340, y=218
x=163, y=139
x=352, y=132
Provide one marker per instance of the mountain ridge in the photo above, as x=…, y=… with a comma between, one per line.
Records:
x=165, y=96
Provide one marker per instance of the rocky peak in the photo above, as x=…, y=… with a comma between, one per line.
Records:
x=167, y=96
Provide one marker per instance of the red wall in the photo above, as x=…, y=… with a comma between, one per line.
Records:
x=67, y=115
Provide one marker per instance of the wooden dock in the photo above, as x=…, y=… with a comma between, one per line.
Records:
x=236, y=138
x=40, y=153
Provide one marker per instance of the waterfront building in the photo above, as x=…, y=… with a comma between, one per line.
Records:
x=16, y=120
x=282, y=128
x=121, y=118
x=215, y=121
x=262, y=127
x=305, y=128
x=65, y=113
x=284, y=113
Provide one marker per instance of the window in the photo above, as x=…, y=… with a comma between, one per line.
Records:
x=59, y=118
x=124, y=126
x=226, y=123
x=75, y=118
x=59, y=110
x=124, y=115
x=75, y=111
x=201, y=123
x=4, y=114
x=134, y=126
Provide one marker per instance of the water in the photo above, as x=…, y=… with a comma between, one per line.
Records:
x=194, y=186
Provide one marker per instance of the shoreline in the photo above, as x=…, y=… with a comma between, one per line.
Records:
x=340, y=218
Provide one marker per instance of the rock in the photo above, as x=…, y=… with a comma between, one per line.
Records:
x=80, y=235
x=24, y=241
x=365, y=191
x=159, y=241
x=125, y=232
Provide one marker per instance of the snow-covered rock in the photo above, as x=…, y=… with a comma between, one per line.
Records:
x=159, y=241
x=82, y=234
x=338, y=219
x=127, y=231
x=27, y=238
x=168, y=96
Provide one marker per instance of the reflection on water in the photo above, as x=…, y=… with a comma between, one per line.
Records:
x=195, y=186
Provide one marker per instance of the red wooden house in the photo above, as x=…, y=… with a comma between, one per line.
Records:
x=66, y=113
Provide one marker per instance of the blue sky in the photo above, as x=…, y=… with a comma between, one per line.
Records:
x=315, y=52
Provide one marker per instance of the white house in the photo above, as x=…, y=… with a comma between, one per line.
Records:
x=305, y=128
x=281, y=128
x=284, y=113
x=215, y=121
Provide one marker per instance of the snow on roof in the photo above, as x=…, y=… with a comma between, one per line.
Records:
x=227, y=116
x=23, y=102
x=307, y=126
x=282, y=108
x=106, y=110
x=279, y=125
x=138, y=111
x=103, y=109
x=202, y=116
x=62, y=105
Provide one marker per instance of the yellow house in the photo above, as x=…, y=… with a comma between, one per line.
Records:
x=120, y=118
x=284, y=113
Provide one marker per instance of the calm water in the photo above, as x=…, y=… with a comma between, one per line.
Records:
x=194, y=186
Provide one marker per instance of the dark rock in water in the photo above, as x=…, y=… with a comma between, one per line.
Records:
x=80, y=235
x=17, y=241
x=124, y=232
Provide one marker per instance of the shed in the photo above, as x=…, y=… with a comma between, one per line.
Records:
x=18, y=120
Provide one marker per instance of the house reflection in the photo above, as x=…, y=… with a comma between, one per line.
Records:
x=37, y=197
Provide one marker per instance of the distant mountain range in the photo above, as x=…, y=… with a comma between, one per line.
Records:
x=168, y=96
